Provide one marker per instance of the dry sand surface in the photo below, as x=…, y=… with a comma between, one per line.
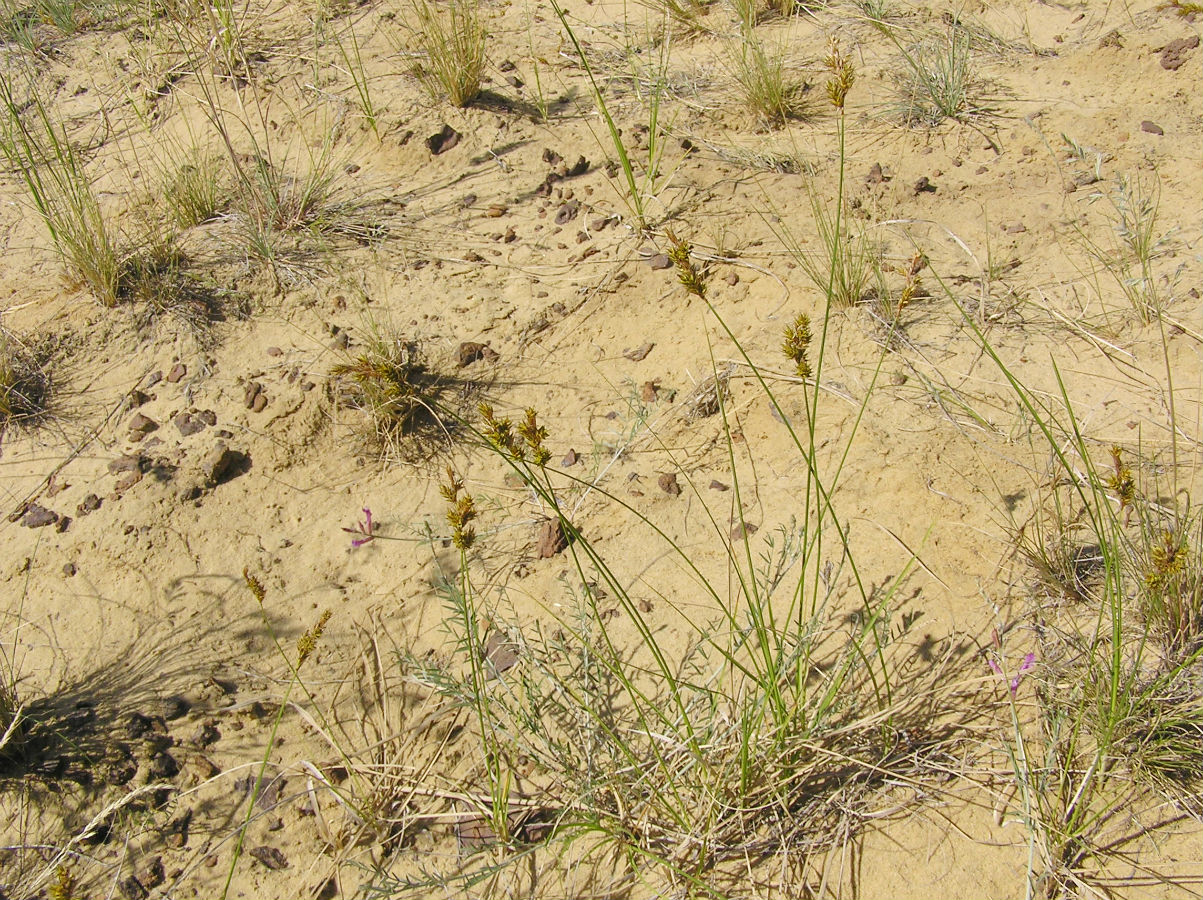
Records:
x=915, y=524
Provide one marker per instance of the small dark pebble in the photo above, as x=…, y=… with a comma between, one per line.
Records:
x=570, y=459
x=473, y=351
x=443, y=140
x=274, y=351
x=164, y=766
x=131, y=889
x=154, y=874
x=38, y=516
x=1151, y=127
x=649, y=392
x=69, y=569
x=270, y=857
x=206, y=733
x=638, y=354
x=567, y=212
x=141, y=424
x=717, y=485
x=550, y=539
x=732, y=278
x=178, y=371
x=1174, y=54
x=668, y=484
x=188, y=424
x=660, y=261
x=924, y=186
x=742, y=530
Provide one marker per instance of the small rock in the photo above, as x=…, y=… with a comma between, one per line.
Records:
x=876, y=175
x=125, y=482
x=178, y=371
x=668, y=484
x=120, y=771
x=567, y=212
x=898, y=379
x=69, y=569
x=514, y=81
x=507, y=65
x=716, y=485
x=924, y=186
x=649, y=392
x=580, y=167
x=62, y=524
x=154, y=874
x=220, y=464
x=177, y=830
x=148, y=382
x=981, y=170
x=443, y=140
x=638, y=354
x=550, y=539
x=645, y=605
x=274, y=351
x=206, y=733
x=1016, y=228
x=570, y=459
x=188, y=424
x=38, y=516
x=743, y=530
x=1174, y=54
x=260, y=403
x=89, y=504
x=473, y=351
x=164, y=766
x=143, y=424
x=131, y=888
x=1151, y=127
x=732, y=278
x=174, y=707
x=660, y=261
x=496, y=211
x=128, y=463
x=551, y=157
x=270, y=857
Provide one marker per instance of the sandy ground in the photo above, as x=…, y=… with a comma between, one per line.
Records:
x=131, y=602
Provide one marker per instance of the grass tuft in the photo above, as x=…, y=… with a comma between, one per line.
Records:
x=453, y=37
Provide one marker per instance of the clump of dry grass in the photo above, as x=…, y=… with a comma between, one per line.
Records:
x=24, y=383
x=406, y=401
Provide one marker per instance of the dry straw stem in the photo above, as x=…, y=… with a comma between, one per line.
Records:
x=453, y=37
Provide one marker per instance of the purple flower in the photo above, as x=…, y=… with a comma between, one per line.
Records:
x=363, y=528
x=1028, y=662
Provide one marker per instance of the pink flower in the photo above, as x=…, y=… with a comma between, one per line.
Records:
x=1028, y=662
x=363, y=528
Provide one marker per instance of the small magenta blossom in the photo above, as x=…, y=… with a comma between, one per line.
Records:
x=1028, y=662
x=362, y=529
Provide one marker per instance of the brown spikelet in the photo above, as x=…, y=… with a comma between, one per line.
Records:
x=254, y=585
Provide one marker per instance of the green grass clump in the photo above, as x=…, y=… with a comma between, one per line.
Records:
x=768, y=84
x=936, y=80
x=453, y=37
x=53, y=174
